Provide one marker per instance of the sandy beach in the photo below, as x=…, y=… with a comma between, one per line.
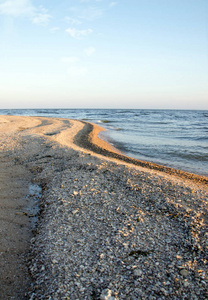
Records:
x=107, y=226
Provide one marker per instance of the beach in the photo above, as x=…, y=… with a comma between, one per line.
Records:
x=108, y=226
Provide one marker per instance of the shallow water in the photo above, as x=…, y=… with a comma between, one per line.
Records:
x=34, y=195
x=175, y=138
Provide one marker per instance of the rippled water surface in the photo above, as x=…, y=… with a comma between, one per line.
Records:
x=175, y=138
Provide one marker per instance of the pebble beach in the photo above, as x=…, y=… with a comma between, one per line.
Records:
x=107, y=226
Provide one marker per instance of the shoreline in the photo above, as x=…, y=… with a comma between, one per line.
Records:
x=107, y=226
x=88, y=139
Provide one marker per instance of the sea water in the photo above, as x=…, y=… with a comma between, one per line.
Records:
x=174, y=138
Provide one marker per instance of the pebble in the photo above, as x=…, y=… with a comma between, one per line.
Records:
x=184, y=273
x=137, y=272
x=186, y=283
x=106, y=295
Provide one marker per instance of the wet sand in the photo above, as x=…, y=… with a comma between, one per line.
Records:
x=53, y=153
x=15, y=232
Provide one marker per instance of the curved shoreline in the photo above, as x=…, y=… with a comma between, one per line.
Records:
x=107, y=225
x=87, y=138
x=85, y=135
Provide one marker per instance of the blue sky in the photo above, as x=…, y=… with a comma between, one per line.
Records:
x=104, y=54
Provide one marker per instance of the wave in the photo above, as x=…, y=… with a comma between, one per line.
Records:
x=105, y=121
x=160, y=122
x=43, y=111
x=192, y=138
x=125, y=111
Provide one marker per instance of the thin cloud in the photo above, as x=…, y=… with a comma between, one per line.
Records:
x=77, y=34
x=54, y=29
x=90, y=13
x=41, y=17
x=16, y=8
x=89, y=51
x=113, y=4
x=70, y=59
x=76, y=71
x=73, y=21
x=24, y=8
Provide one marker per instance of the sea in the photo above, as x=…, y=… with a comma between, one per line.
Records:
x=174, y=138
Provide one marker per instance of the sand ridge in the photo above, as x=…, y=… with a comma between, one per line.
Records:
x=84, y=136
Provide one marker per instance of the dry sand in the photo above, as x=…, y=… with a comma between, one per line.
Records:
x=68, y=160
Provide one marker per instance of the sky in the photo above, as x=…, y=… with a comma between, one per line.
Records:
x=104, y=54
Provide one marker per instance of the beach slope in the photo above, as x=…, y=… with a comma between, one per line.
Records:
x=108, y=225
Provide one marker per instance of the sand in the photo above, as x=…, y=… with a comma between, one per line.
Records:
x=42, y=151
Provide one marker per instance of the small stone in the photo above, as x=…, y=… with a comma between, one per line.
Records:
x=138, y=272
x=75, y=193
x=186, y=283
x=32, y=240
x=126, y=245
x=43, y=268
x=106, y=295
x=54, y=261
x=184, y=272
x=164, y=291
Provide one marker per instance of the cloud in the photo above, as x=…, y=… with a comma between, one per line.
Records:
x=77, y=34
x=70, y=59
x=24, y=8
x=77, y=71
x=41, y=17
x=73, y=21
x=113, y=4
x=89, y=51
x=89, y=13
x=16, y=8
x=54, y=29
